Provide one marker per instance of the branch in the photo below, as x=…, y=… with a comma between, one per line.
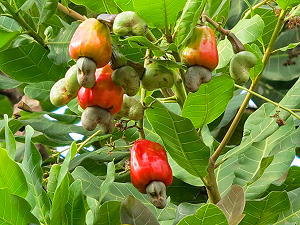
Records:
x=70, y=12
x=215, y=195
x=255, y=7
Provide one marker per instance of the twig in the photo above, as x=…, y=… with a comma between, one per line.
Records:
x=269, y=100
x=70, y=12
x=255, y=7
x=88, y=139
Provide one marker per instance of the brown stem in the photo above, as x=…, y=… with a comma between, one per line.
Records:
x=70, y=12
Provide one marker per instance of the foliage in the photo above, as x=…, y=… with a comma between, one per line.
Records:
x=228, y=167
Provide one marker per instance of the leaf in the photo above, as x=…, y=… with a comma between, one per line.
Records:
x=207, y=214
x=266, y=210
x=131, y=211
x=41, y=92
x=290, y=183
x=59, y=45
x=65, y=165
x=179, y=137
x=185, y=209
x=110, y=177
x=284, y=4
x=59, y=202
x=232, y=204
x=31, y=166
x=290, y=46
x=10, y=142
x=46, y=8
x=187, y=21
x=108, y=213
x=98, y=6
x=8, y=24
x=7, y=37
x=125, y=5
x=209, y=102
x=218, y=10
x=29, y=63
x=52, y=180
x=11, y=176
x=8, y=83
x=14, y=210
x=246, y=30
x=160, y=13
x=292, y=215
x=75, y=211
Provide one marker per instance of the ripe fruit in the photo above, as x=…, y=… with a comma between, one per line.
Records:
x=105, y=93
x=150, y=171
x=201, y=49
x=128, y=79
x=195, y=76
x=240, y=66
x=157, y=76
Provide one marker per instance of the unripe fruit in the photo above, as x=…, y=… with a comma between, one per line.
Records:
x=129, y=23
x=71, y=82
x=93, y=116
x=201, y=49
x=195, y=76
x=157, y=76
x=131, y=109
x=240, y=66
x=128, y=79
x=59, y=96
x=92, y=40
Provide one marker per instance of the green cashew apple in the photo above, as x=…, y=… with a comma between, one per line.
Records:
x=157, y=76
x=129, y=23
x=240, y=66
x=128, y=79
x=71, y=82
x=93, y=116
x=131, y=109
x=59, y=96
x=86, y=72
x=195, y=76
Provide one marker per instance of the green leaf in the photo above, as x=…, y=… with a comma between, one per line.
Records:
x=98, y=6
x=10, y=142
x=185, y=209
x=31, y=166
x=52, y=180
x=160, y=13
x=65, y=165
x=11, y=176
x=8, y=83
x=218, y=9
x=209, y=102
x=131, y=211
x=60, y=44
x=108, y=213
x=232, y=204
x=187, y=21
x=14, y=210
x=29, y=63
x=74, y=209
x=207, y=214
x=290, y=46
x=266, y=210
x=125, y=5
x=110, y=177
x=290, y=183
x=246, y=30
x=7, y=37
x=58, y=215
x=284, y=4
x=41, y=92
x=8, y=24
x=46, y=8
x=292, y=215
x=179, y=137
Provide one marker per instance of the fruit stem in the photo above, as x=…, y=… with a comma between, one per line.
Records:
x=141, y=121
x=210, y=179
